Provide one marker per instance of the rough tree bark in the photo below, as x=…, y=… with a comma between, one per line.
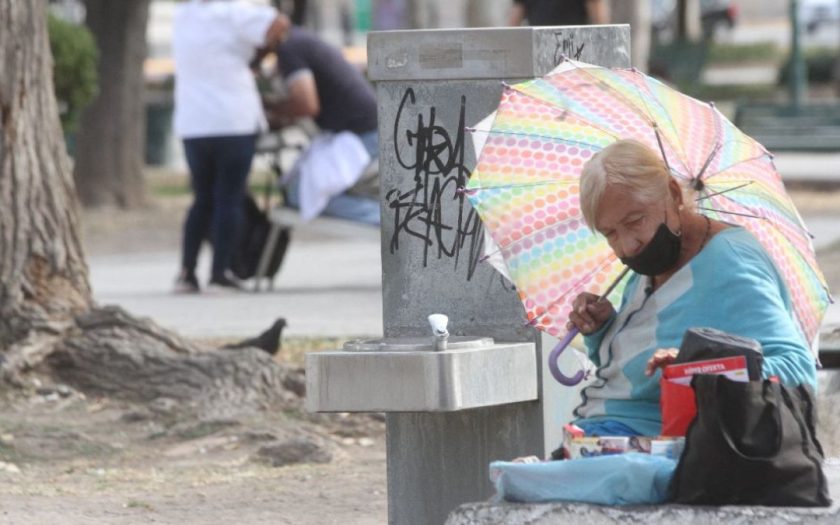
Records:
x=43, y=276
x=49, y=322
x=111, y=138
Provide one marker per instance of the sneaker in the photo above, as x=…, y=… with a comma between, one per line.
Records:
x=187, y=283
x=225, y=282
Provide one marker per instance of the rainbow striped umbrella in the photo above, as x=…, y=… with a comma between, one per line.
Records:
x=525, y=185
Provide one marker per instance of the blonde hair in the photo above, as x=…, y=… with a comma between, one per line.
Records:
x=626, y=163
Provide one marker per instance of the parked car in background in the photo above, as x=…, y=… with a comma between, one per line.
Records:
x=816, y=13
x=715, y=16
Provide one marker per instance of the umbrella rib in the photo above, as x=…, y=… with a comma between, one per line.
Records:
x=627, y=102
x=817, y=277
x=720, y=143
x=534, y=135
x=508, y=186
x=647, y=113
x=794, y=251
x=732, y=213
x=533, y=234
x=759, y=194
x=706, y=164
x=721, y=192
x=578, y=285
x=661, y=148
x=678, y=146
x=798, y=226
x=742, y=161
x=583, y=119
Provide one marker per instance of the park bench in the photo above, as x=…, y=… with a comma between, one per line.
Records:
x=809, y=127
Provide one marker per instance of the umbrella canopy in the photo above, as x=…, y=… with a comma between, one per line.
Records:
x=525, y=184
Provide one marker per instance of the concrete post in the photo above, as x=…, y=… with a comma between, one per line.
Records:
x=430, y=85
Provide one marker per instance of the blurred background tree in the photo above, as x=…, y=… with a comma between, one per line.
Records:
x=111, y=139
x=74, y=69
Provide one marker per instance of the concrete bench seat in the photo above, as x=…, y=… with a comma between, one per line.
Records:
x=559, y=513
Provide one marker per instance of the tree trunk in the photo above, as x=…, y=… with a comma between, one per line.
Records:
x=48, y=321
x=43, y=275
x=146, y=364
x=688, y=21
x=111, y=141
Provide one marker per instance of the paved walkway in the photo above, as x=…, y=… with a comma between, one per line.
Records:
x=330, y=284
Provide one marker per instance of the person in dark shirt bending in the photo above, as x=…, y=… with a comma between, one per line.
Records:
x=324, y=86
x=558, y=12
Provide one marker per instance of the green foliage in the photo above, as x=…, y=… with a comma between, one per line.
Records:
x=819, y=65
x=682, y=64
x=720, y=92
x=138, y=504
x=678, y=62
x=74, y=69
x=720, y=53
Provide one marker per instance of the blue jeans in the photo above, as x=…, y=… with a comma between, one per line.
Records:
x=350, y=207
x=219, y=168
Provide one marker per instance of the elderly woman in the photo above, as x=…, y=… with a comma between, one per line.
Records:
x=689, y=271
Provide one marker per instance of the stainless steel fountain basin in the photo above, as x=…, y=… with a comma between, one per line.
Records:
x=408, y=375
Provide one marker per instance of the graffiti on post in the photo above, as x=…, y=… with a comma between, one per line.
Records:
x=432, y=210
x=565, y=46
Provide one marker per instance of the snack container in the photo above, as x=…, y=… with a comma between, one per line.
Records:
x=670, y=447
x=577, y=445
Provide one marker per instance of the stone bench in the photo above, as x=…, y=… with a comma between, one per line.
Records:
x=828, y=400
x=573, y=513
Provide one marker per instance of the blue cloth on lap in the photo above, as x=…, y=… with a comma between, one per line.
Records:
x=620, y=479
x=606, y=427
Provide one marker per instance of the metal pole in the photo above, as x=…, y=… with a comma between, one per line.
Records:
x=798, y=78
x=837, y=62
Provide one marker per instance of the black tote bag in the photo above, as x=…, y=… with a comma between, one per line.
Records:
x=752, y=443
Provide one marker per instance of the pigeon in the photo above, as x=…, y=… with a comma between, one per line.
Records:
x=269, y=341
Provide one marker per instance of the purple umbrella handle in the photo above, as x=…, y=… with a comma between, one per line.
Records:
x=552, y=357
x=555, y=354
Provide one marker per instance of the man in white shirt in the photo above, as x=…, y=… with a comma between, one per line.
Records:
x=218, y=115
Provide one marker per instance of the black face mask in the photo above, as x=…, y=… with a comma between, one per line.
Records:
x=660, y=254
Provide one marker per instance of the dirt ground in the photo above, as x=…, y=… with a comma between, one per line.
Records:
x=71, y=459
x=77, y=460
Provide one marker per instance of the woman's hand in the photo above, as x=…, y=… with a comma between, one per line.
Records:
x=660, y=359
x=588, y=314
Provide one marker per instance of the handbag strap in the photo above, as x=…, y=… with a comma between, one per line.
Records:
x=809, y=413
x=808, y=437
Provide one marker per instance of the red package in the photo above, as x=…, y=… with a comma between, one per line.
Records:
x=678, y=407
x=676, y=399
